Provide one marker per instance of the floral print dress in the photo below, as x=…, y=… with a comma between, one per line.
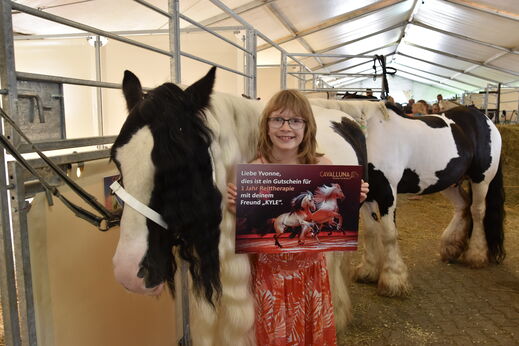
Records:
x=294, y=303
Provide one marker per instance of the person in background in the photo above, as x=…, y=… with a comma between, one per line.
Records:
x=435, y=108
x=408, y=109
x=419, y=108
x=292, y=290
x=439, y=98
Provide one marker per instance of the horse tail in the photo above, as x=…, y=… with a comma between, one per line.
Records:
x=495, y=216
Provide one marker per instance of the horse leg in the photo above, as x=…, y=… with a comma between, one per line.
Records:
x=339, y=269
x=393, y=280
x=369, y=268
x=476, y=255
x=454, y=238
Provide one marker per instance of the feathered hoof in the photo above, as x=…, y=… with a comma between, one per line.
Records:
x=364, y=275
x=475, y=260
x=386, y=290
x=450, y=253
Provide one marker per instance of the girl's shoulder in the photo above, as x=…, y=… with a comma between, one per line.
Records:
x=257, y=161
x=323, y=160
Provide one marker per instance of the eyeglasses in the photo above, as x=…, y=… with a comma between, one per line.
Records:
x=294, y=123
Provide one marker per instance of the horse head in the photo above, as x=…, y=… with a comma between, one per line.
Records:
x=304, y=201
x=336, y=192
x=162, y=154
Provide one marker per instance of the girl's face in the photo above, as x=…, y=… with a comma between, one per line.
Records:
x=286, y=135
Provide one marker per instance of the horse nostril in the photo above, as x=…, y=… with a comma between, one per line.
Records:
x=142, y=272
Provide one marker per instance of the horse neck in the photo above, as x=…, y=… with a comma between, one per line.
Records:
x=235, y=125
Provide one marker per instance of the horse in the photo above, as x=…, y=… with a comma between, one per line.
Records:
x=327, y=208
x=423, y=155
x=176, y=152
x=302, y=206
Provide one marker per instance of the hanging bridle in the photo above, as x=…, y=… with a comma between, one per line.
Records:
x=104, y=222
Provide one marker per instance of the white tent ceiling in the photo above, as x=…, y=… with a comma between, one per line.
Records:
x=458, y=44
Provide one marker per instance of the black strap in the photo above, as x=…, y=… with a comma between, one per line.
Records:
x=103, y=223
x=385, y=71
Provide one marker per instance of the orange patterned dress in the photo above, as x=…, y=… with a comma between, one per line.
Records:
x=294, y=303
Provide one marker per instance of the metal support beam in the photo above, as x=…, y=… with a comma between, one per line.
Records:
x=99, y=91
x=431, y=80
x=486, y=9
x=438, y=75
x=174, y=40
x=8, y=294
x=283, y=71
x=356, y=14
x=464, y=38
x=470, y=61
x=250, y=63
x=22, y=255
x=327, y=49
x=448, y=68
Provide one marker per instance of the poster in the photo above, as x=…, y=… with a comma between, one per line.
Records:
x=297, y=208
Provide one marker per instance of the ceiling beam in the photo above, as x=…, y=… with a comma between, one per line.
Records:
x=272, y=8
x=327, y=49
x=462, y=37
x=486, y=9
x=238, y=10
x=470, y=61
x=359, y=64
x=412, y=12
x=438, y=75
x=361, y=12
x=363, y=53
x=431, y=80
x=448, y=68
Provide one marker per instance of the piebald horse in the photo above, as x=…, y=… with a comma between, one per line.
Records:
x=423, y=155
x=176, y=152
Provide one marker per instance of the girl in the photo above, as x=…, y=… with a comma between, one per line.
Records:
x=292, y=291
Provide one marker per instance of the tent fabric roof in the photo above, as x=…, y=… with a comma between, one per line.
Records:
x=460, y=44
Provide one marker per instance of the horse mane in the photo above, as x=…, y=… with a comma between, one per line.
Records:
x=322, y=193
x=297, y=202
x=183, y=182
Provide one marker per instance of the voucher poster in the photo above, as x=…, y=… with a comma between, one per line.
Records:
x=297, y=208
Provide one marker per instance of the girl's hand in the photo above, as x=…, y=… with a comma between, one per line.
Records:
x=232, y=192
x=364, y=189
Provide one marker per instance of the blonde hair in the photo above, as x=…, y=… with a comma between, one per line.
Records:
x=299, y=105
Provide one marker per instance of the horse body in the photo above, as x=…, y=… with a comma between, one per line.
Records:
x=327, y=206
x=302, y=207
x=424, y=155
x=176, y=152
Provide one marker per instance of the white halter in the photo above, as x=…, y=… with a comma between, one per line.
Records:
x=138, y=205
x=142, y=208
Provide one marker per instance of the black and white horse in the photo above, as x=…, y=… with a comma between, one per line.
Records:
x=176, y=152
x=423, y=155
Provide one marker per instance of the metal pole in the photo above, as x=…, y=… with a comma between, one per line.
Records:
x=250, y=63
x=99, y=91
x=174, y=40
x=498, y=105
x=22, y=255
x=8, y=294
x=182, y=304
x=283, y=71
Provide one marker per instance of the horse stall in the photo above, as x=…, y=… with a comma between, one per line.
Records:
x=62, y=289
x=496, y=100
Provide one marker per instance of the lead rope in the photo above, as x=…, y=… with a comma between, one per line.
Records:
x=103, y=223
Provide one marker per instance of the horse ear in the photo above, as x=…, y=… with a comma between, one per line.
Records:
x=200, y=91
x=132, y=89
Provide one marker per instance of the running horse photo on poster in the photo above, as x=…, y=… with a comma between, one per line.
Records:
x=297, y=208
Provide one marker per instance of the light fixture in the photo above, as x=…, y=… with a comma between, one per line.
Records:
x=93, y=40
x=80, y=168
